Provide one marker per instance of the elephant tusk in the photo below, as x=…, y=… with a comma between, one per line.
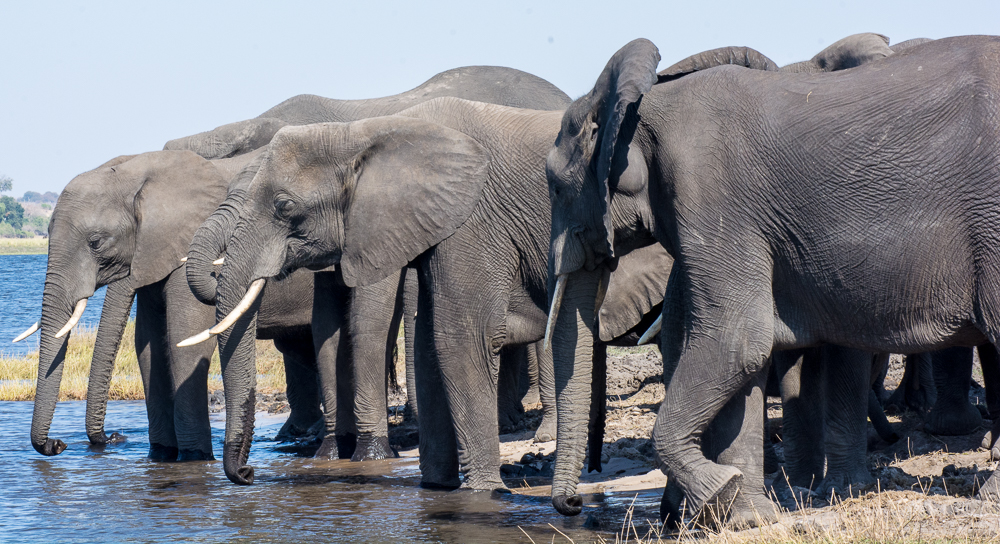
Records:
x=31, y=330
x=653, y=330
x=227, y=321
x=184, y=259
x=196, y=339
x=219, y=261
x=554, y=310
x=81, y=305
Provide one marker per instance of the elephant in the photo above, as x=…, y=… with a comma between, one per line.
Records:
x=429, y=188
x=126, y=224
x=730, y=201
x=490, y=84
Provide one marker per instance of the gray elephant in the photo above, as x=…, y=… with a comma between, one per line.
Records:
x=126, y=224
x=490, y=84
x=762, y=266
x=454, y=176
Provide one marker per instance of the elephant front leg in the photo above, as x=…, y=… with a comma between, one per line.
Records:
x=847, y=378
x=713, y=365
x=803, y=409
x=301, y=386
x=150, y=349
x=330, y=341
x=952, y=414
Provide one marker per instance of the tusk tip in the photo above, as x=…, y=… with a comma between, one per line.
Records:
x=184, y=259
x=31, y=330
x=653, y=330
x=219, y=261
x=196, y=339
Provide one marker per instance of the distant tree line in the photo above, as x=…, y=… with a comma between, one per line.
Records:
x=14, y=222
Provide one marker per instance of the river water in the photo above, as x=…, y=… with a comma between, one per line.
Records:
x=115, y=494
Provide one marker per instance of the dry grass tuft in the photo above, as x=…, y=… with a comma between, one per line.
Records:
x=24, y=246
x=18, y=375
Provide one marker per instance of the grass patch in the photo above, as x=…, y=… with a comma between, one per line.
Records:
x=24, y=246
x=18, y=374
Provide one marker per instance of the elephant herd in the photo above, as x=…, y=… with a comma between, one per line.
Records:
x=828, y=212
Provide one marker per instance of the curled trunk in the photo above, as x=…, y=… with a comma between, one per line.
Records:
x=572, y=356
x=114, y=317
x=208, y=244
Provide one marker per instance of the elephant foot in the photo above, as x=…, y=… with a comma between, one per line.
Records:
x=959, y=419
x=159, y=452
x=751, y=509
x=425, y=484
x=484, y=483
x=713, y=493
x=990, y=490
x=327, y=449
x=195, y=455
x=346, y=444
x=672, y=506
x=844, y=482
x=373, y=448
x=102, y=439
x=292, y=430
x=546, y=431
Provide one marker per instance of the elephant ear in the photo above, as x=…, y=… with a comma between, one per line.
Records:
x=630, y=72
x=413, y=184
x=179, y=191
x=636, y=286
x=737, y=56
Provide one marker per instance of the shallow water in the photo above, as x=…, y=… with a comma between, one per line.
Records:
x=22, y=280
x=117, y=495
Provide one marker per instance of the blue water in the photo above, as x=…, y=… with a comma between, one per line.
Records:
x=22, y=280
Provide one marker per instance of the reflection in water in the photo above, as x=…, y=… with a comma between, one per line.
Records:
x=115, y=494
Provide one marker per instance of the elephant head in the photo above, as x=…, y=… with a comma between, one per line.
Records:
x=367, y=197
x=126, y=222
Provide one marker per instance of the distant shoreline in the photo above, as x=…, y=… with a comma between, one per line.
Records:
x=24, y=246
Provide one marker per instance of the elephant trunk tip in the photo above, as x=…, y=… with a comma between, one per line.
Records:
x=241, y=476
x=101, y=439
x=570, y=505
x=49, y=447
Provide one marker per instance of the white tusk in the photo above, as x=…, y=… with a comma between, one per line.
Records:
x=653, y=330
x=31, y=330
x=196, y=339
x=219, y=261
x=227, y=321
x=81, y=305
x=554, y=310
x=184, y=259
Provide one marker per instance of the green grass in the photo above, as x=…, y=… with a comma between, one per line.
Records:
x=18, y=374
x=24, y=246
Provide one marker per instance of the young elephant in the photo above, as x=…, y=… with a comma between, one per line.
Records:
x=126, y=224
x=751, y=186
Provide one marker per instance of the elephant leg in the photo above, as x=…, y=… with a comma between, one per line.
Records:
x=510, y=411
x=529, y=379
x=877, y=416
x=847, y=377
x=598, y=406
x=771, y=463
x=952, y=414
x=185, y=317
x=330, y=341
x=916, y=390
x=151, y=352
x=438, y=445
x=546, y=393
x=802, y=401
x=989, y=360
x=375, y=312
x=410, y=287
x=711, y=369
x=301, y=386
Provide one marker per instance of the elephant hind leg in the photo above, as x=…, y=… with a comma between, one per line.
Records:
x=952, y=414
x=150, y=349
x=301, y=386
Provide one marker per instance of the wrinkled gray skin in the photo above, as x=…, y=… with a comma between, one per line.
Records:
x=123, y=225
x=761, y=264
x=848, y=52
x=433, y=187
x=367, y=364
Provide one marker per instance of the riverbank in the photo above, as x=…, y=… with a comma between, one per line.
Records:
x=24, y=246
x=18, y=374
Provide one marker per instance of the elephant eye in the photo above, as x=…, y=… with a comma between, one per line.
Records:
x=283, y=206
x=95, y=243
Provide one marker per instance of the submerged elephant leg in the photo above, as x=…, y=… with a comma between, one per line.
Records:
x=847, y=375
x=151, y=352
x=952, y=414
x=301, y=385
x=375, y=312
x=189, y=368
x=546, y=393
x=330, y=338
x=803, y=402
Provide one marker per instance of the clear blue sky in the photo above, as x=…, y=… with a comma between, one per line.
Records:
x=82, y=83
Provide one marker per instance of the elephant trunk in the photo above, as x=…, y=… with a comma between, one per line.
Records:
x=114, y=317
x=51, y=355
x=572, y=356
x=237, y=352
x=208, y=244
